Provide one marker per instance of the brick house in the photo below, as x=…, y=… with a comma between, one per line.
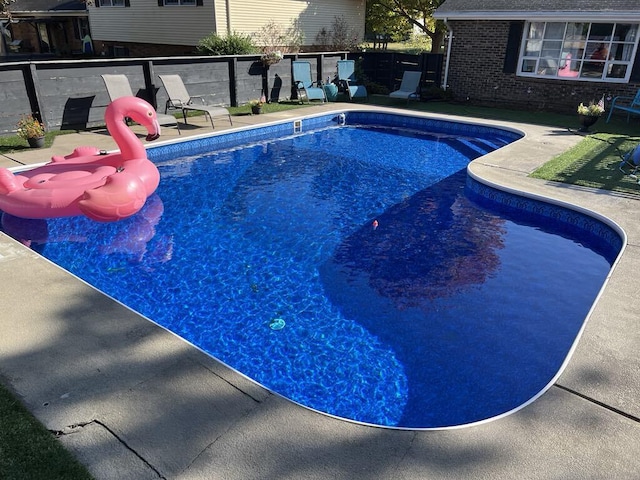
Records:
x=541, y=54
x=54, y=27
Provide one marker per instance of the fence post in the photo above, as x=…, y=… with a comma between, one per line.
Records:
x=32, y=87
x=233, y=81
x=149, y=75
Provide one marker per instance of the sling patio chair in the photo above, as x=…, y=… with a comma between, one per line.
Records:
x=409, y=87
x=180, y=99
x=347, y=79
x=630, y=105
x=118, y=86
x=304, y=84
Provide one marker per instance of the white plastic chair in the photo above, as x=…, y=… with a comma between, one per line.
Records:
x=409, y=87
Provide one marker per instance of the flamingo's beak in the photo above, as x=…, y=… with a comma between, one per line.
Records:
x=154, y=135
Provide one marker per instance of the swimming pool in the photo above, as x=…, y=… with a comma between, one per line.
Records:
x=428, y=318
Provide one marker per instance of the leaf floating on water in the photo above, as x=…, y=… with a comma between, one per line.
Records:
x=277, y=324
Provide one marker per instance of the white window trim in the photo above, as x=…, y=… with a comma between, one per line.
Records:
x=522, y=57
x=110, y=4
x=192, y=3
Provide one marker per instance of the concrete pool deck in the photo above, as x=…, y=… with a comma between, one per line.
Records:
x=133, y=401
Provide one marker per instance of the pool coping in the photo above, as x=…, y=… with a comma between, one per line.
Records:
x=128, y=396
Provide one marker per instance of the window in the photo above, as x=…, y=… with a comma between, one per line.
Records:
x=579, y=51
x=119, y=51
x=179, y=2
x=111, y=3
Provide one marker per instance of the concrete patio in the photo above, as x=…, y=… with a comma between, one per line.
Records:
x=133, y=401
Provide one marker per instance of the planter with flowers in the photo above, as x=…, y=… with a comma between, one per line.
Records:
x=31, y=130
x=271, y=58
x=589, y=114
x=256, y=105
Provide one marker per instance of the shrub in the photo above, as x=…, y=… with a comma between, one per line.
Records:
x=233, y=44
x=377, y=88
x=273, y=37
x=418, y=44
x=434, y=92
x=340, y=37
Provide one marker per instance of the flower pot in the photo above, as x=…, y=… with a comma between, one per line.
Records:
x=256, y=109
x=36, y=142
x=586, y=121
x=267, y=62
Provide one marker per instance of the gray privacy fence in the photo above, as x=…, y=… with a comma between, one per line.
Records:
x=70, y=94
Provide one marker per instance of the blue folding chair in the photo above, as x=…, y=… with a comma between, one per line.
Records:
x=304, y=84
x=347, y=79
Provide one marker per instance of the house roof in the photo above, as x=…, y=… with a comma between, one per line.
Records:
x=565, y=10
x=23, y=6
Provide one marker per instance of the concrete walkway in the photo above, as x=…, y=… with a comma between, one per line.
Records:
x=133, y=401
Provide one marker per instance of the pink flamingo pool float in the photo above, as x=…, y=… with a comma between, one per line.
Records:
x=103, y=186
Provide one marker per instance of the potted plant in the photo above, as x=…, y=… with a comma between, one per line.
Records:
x=31, y=130
x=271, y=58
x=256, y=105
x=589, y=114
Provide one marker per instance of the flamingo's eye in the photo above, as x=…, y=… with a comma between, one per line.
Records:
x=150, y=113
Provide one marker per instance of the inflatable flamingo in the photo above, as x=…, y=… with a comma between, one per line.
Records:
x=565, y=70
x=103, y=186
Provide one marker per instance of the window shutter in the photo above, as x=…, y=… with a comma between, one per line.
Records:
x=635, y=71
x=199, y=3
x=513, y=47
x=97, y=3
x=127, y=3
x=161, y=3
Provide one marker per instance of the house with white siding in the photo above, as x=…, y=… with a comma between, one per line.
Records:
x=174, y=27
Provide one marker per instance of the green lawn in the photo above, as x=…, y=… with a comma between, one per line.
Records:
x=594, y=163
x=29, y=451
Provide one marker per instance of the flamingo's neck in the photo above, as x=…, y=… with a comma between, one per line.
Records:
x=130, y=146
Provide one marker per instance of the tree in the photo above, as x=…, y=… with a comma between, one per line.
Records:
x=418, y=13
x=4, y=8
x=381, y=20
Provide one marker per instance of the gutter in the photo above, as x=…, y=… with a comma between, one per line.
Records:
x=27, y=16
x=627, y=16
x=228, y=8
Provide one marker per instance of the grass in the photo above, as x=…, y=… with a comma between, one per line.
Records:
x=594, y=163
x=29, y=451
x=13, y=143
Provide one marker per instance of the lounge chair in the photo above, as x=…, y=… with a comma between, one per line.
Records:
x=179, y=98
x=631, y=105
x=118, y=86
x=347, y=79
x=409, y=87
x=304, y=84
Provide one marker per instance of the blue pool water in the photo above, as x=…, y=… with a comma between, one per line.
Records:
x=453, y=307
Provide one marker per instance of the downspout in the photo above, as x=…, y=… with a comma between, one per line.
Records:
x=446, y=64
x=228, y=5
